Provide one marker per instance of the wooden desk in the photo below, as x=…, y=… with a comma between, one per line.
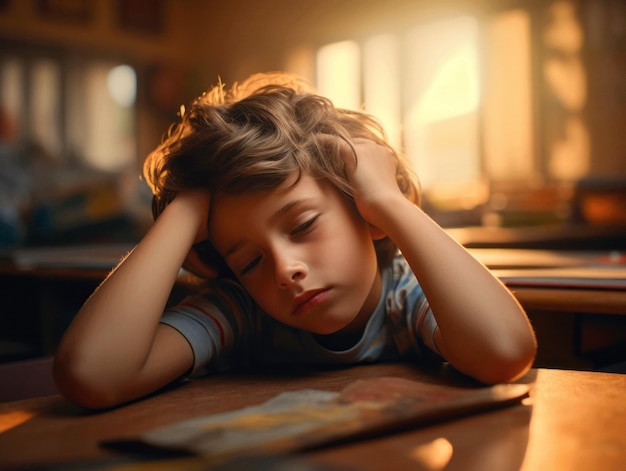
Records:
x=578, y=327
x=91, y=265
x=572, y=421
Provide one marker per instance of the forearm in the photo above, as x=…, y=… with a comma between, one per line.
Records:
x=483, y=331
x=112, y=335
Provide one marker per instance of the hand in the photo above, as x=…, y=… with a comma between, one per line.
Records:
x=199, y=201
x=372, y=175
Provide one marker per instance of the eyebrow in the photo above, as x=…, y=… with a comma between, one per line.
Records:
x=281, y=212
x=289, y=206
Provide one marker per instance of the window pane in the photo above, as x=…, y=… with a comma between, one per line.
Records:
x=338, y=74
x=381, y=81
x=441, y=92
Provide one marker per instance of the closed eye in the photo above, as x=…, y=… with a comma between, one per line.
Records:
x=250, y=266
x=303, y=228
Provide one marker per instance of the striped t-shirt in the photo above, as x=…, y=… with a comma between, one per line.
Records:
x=226, y=328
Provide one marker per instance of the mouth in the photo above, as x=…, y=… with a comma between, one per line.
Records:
x=308, y=300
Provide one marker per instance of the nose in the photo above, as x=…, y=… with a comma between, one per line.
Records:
x=289, y=269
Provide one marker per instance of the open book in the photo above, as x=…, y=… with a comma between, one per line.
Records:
x=305, y=419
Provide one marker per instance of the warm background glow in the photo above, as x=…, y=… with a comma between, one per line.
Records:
x=339, y=75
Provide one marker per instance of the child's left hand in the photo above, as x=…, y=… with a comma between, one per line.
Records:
x=373, y=177
x=481, y=328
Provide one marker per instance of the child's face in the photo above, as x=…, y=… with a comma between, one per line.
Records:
x=302, y=252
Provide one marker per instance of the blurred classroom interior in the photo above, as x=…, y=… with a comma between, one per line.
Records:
x=511, y=112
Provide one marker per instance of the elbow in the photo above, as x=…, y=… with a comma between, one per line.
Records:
x=493, y=357
x=82, y=385
x=508, y=362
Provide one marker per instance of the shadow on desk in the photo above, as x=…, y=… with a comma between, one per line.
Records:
x=26, y=379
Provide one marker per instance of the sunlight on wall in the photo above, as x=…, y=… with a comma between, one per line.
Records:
x=565, y=76
x=339, y=74
x=508, y=133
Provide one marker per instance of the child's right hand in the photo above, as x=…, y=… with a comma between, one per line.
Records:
x=116, y=349
x=200, y=201
x=372, y=174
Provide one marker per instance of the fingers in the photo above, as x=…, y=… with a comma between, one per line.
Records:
x=198, y=202
x=359, y=150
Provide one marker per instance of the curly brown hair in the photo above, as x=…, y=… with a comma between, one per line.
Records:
x=255, y=135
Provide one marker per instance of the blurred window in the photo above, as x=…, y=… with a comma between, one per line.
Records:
x=71, y=108
x=424, y=86
x=339, y=73
x=441, y=99
x=462, y=97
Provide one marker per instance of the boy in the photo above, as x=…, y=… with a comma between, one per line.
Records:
x=294, y=211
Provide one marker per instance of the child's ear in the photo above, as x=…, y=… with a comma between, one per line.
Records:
x=194, y=264
x=376, y=233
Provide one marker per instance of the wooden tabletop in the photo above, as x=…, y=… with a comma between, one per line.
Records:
x=572, y=421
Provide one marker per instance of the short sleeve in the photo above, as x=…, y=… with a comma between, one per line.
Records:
x=212, y=324
x=199, y=323
x=425, y=326
x=409, y=311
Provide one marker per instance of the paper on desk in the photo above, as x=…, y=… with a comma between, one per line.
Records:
x=305, y=419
